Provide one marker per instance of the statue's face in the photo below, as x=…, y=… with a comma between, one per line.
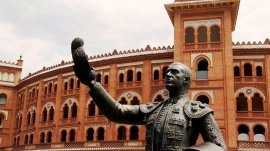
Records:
x=174, y=77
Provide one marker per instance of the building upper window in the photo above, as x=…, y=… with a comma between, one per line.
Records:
x=106, y=79
x=202, y=35
x=258, y=71
x=156, y=75
x=189, y=35
x=243, y=131
x=202, y=69
x=129, y=75
x=257, y=102
x=3, y=98
x=215, y=34
x=139, y=76
x=242, y=104
x=121, y=133
x=121, y=78
x=247, y=69
x=236, y=70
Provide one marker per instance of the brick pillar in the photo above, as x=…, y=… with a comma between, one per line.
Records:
x=178, y=38
x=38, y=112
x=24, y=116
x=82, y=108
x=146, y=82
x=112, y=90
x=267, y=77
x=57, y=110
x=230, y=107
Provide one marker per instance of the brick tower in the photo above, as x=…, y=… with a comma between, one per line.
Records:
x=203, y=41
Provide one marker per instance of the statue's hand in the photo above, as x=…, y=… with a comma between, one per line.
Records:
x=82, y=68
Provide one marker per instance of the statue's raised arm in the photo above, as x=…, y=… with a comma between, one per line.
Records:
x=87, y=75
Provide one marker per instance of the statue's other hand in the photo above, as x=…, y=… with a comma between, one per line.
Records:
x=82, y=68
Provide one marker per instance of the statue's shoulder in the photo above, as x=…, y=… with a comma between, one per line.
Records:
x=150, y=107
x=196, y=109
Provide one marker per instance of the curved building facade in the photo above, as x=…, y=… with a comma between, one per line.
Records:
x=50, y=109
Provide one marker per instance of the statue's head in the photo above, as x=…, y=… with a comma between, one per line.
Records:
x=178, y=77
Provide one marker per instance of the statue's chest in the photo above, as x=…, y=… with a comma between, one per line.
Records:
x=168, y=124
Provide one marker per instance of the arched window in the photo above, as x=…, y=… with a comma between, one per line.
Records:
x=106, y=79
x=18, y=140
x=203, y=99
x=26, y=139
x=243, y=131
x=215, y=34
x=139, y=76
x=91, y=109
x=11, y=77
x=65, y=86
x=78, y=84
x=63, y=136
x=55, y=88
x=20, y=122
x=156, y=75
x=121, y=78
x=202, y=35
x=259, y=133
x=123, y=101
x=100, y=112
x=28, y=118
x=135, y=101
x=242, y=104
x=202, y=69
x=3, y=98
x=65, y=111
x=72, y=135
x=33, y=117
x=71, y=83
x=44, y=115
x=5, y=77
x=121, y=133
x=14, y=141
x=31, y=139
x=258, y=71
x=134, y=133
x=247, y=69
x=1, y=121
x=100, y=133
x=51, y=114
x=33, y=92
x=129, y=75
x=50, y=88
x=45, y=90
x=42, y=137
x=49, y=137
x=189, y=35
x=257, y=102
x=164, y=69
x=90, y=134
x=159, y=98
x=98, y=77
x=236, y=70
x=74, y=110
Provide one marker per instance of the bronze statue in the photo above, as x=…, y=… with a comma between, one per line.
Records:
x=172, y=125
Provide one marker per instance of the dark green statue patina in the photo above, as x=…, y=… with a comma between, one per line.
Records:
x=172, y=125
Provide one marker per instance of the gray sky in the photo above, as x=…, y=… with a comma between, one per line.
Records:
x=42, y=30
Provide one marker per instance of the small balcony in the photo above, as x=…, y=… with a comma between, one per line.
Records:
x=254, y=114
x=249, y=79
x=253, y=145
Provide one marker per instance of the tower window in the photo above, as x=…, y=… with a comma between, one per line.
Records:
x=215, y=34
x=189, y=35
x=202, y=35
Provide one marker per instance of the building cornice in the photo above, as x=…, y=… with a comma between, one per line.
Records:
x=204, y=4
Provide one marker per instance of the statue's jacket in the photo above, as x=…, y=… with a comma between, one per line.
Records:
x=172, y=125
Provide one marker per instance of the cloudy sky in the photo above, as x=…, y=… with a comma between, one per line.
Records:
x=42, y=30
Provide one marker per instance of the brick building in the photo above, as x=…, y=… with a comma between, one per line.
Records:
x=51, y=109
